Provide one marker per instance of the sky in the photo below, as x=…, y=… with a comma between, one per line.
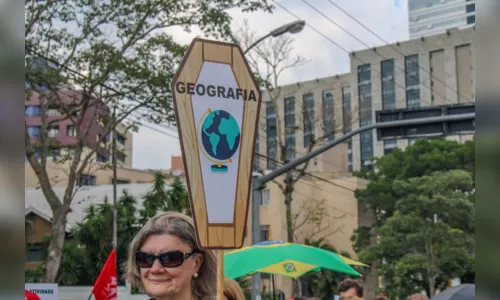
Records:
x=387, y=18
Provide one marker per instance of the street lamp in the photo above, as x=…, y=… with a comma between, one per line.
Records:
x=293, y=27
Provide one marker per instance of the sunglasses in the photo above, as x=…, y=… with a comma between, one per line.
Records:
x=169, y=259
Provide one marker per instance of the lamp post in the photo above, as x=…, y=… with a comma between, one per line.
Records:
x=293, y=27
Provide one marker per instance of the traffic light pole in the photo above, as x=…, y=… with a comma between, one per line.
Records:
x=259, y=182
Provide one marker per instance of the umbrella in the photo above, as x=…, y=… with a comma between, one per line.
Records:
x=458, y=292
x=288, y=259
x=30, y=295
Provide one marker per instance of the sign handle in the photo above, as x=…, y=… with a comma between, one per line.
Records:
x=220, y=274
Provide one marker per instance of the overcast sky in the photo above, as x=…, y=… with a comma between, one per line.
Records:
x=387, y=18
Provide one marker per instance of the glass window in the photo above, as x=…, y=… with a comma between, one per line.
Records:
x=471, y=19
x=365, y=113
x=70, y=130
x=390, y=145
x=328, y=115
x=271, y=136
x=53, y=132
x=32, y=111
x=388, y=85
x=86, y=180
x=470, y=8
x=34, y=131
x=120, y=138
x=34, y=253
x=120, y=181
x=290, y=128
x=412, y=77
x=346, y=105
x=308, y=116
x=349, y=156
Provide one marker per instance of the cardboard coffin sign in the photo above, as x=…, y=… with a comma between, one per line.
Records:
x=217, y=105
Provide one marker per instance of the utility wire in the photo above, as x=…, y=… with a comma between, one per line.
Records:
x=388, y=44
x=344, y=49
x=368, y=46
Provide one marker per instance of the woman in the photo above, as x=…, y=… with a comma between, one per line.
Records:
x=232, y=290
x=165, y=261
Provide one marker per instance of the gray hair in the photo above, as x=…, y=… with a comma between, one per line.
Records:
x=180, y=225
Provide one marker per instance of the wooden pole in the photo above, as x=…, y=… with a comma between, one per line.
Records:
x=220, y=274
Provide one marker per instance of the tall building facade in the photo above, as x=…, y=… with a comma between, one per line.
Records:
x=429, y=17
x=436, y=71
x=298, y=117
x=62, y=133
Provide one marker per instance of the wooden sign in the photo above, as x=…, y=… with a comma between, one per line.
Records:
x=217, y=105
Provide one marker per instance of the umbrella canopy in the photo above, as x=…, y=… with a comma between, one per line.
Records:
x=459, y=292
x=30, y=295
x=288, y=259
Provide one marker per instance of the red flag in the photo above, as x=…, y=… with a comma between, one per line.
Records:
x=105, y=287
x=30, y=295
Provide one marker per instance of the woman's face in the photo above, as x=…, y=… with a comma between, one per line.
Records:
x=160, y=282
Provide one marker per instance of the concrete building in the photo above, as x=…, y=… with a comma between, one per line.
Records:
x=62, y=133
x=429, y=17
x=95, y=174
x=437, y=70
x=297, y=115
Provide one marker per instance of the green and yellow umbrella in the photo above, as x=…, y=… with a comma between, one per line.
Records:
x=287, y=259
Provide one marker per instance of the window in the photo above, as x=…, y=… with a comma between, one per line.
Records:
x=365, y=113
x=101, y=158
x=411, y=141
x=52, y=111
x=34, y=131
x=264, y=233
x=412, y=81
x=290, y=143
x=86, y=180
x=390, y=145
x=70, y=130
x=32, y=111
x=470, y=8
x=308, y=116
x=34, y=253
x=471, y=19
x=346, y=105
x=349, y=156
x=120, y=156
x=266, y=197
x=53, y=132
x=388, y=84
x=55, y=153
x=120, y=139
x=271, y=136
x=120, y=181
x=328, y=115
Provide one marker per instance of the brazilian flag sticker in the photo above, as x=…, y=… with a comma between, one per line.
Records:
x=289, y=267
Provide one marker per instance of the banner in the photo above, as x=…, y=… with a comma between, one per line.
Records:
x=46, y=291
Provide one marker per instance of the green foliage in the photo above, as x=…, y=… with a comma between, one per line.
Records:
x=423, y=199
x=177, y=195
x=246, y=286
x=33, y=275
x=156, y=200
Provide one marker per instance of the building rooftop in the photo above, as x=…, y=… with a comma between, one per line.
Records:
x=85, y=196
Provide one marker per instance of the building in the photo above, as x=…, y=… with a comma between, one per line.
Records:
x=434, y=71
x=95, y=174
x=429, y=17
x=38, y=214
x=61, y=134
x=177, y=165
x=297, y=116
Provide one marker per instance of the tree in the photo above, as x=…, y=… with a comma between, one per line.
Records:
x=85, y=59
x=178, y=196
x=381, y=197
x=156, y=199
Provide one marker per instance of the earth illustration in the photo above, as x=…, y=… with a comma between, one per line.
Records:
x=220, y=135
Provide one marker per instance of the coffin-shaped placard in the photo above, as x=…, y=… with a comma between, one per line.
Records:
x=217, y=105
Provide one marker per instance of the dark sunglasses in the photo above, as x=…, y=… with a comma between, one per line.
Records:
x=169, y=259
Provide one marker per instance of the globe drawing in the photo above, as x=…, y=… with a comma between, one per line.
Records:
x=220, y=137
